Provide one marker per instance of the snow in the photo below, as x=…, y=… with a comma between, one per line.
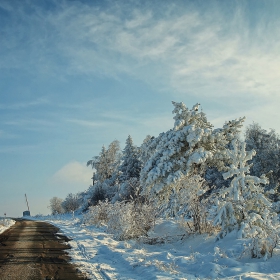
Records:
x=5, y=224
x=175, y=255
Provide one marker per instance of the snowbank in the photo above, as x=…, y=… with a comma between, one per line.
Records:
x=5, y=224
x=172, y=255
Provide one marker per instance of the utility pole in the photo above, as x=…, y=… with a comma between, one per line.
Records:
x=26, y=213
x=27, y=202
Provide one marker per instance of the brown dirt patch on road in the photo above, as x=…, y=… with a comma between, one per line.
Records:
x=31, y=250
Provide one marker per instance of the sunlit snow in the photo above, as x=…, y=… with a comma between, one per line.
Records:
x=175, y=254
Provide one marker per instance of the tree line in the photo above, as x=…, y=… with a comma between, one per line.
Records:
x=211, y=179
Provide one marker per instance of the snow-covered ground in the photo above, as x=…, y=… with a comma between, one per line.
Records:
x=174, y=256
x=5, y=223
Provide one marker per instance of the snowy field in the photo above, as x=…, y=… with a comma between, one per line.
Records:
x=5, y=224
x=173, y=256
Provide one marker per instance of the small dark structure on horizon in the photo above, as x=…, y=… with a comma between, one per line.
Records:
x=26, y=213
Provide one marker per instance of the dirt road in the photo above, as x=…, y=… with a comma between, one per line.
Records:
x=31, y=250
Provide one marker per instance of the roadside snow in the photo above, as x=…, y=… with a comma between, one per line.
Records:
x=5, y=224
x=174, y=256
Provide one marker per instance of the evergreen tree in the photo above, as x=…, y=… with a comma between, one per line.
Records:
x=130, y=166
x=113, y=159
x=185, y=150
x=244, y=207
x=107, y=163
x=147, y=148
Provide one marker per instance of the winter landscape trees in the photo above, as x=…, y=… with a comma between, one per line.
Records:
x=56, y=205
x=207, y=179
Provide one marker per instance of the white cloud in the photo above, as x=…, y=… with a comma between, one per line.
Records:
x=73, y=173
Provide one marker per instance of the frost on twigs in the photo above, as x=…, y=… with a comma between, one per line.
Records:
x=191, y=206
x=98, y=215
x=126, y=220
x=244, y=207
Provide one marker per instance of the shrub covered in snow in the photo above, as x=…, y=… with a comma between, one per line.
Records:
x=244, y=207
x=191, y=202
x=97, y=194
x=56, y=205
x=125, y=220
x=98, y=214
x=129, y=220
x=71, y=203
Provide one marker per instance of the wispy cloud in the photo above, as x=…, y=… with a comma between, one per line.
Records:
x=23, y=105
x=87, y=123
x=27, y=149
x=199, y=51
x=186, y=49
x=7, y=135
x=31, y=123
x=189, y=51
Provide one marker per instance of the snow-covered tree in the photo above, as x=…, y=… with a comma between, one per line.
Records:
x=243, y=206
x=71, y=203
x=107, y=163
x=113, y=158
x=147, y=149
x=99, y=163
x=106, y=174
x=56, y=205
x=185, y=150
x=130, y=166
x=267, y=146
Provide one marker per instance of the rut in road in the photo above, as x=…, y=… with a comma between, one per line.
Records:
x=30, y=250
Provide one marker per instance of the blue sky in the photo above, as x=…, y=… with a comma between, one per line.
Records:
x=78, y=74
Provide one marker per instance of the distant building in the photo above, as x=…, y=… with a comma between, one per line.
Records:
x=26, y=213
